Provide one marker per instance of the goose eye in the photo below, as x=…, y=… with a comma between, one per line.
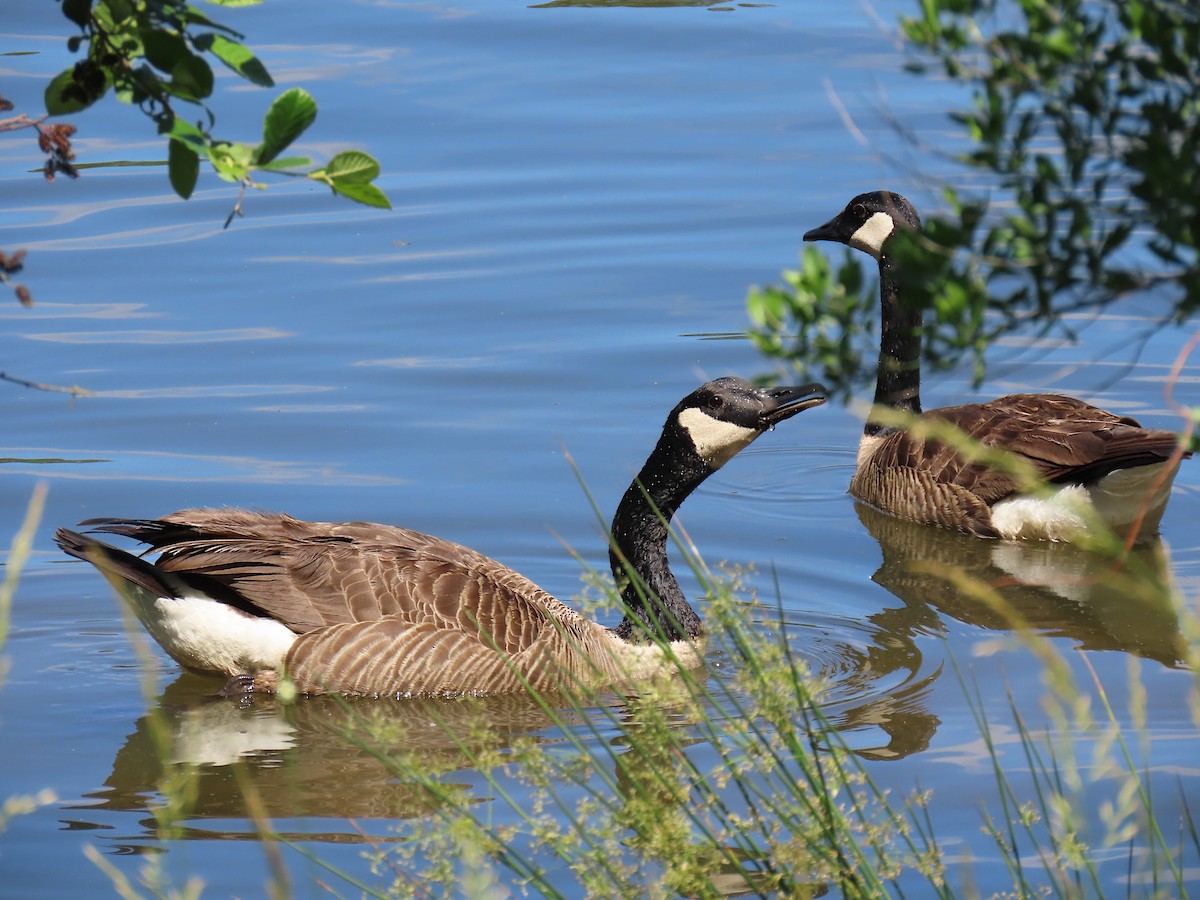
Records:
x=859, y=211
x=715, y=403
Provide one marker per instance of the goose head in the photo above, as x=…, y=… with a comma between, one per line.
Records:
x=867, y=222
x=704, y=431
x=724, y=416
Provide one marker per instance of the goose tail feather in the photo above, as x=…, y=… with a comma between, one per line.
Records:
x=117, y=565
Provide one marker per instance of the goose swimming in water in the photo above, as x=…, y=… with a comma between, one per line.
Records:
x=358, y=608
x=1098, y=464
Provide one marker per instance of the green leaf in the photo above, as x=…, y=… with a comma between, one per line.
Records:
x=187, y=133
x=286, y=162
x=189, y=15
x=362, y=192
x=286, y=120
x=767, y=306
x=231, y=160
x=192, y=78
x=183, y=168
x=1061, y=43
x=78, y=11
x=118, y=164
x=65, y=95
x=115, y=11
x=163, y=49
x=237, y=57
x=352, y=166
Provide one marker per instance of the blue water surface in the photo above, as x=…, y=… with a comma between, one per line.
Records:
x=581, y=198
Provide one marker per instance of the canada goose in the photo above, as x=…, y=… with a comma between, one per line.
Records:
x=358, y=608
x=1098, y=463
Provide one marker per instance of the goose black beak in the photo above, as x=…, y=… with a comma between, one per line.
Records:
x=827, y=232
x=784, y=402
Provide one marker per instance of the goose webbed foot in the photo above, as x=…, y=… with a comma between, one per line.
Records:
x=238, y=685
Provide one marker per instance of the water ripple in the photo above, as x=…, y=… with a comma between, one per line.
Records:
x=874, y=683
x=160, y=336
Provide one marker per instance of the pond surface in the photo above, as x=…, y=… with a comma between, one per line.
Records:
x=582, y=197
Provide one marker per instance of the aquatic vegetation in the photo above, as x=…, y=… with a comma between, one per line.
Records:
x=737, y=782
x=18, y=555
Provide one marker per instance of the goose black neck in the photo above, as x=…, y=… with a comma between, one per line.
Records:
x=898, y=379
x=653, y=600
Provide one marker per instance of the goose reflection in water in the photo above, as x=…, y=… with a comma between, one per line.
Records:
x=1055, y=589
x=299, y=761
x=873, y=681
x=313, y=765
x=311, y=780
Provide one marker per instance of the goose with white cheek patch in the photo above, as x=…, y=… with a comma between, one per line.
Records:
x=1098, y=464
x=364, y=609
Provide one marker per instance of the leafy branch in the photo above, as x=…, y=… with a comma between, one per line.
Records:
x=152, y=55
x=1084, y=122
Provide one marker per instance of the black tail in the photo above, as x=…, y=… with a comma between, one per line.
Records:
x=115, y=564
x=154, y=532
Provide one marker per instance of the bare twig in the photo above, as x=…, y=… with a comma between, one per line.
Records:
x=74, y=390
x=843, y=113
x=21, y=121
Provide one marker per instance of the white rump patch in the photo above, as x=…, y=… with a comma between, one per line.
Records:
x=872, y=233
x=207, y=635
x=1057, y=517
x=1120, y=496
x=717, y=442
x=1116, y=500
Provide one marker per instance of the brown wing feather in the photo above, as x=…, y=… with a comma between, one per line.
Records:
x=1066, y=440
x=312, y=575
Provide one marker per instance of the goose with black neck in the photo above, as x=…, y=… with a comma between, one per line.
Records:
x=1099, y=466
x=366, y=609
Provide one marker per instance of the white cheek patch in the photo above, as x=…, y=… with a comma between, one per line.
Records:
x=717, y=442
x=872, y=233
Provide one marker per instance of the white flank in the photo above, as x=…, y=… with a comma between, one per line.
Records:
x=867, y=445
x=1116, y=500
x=717, y=442
x=872, y=233
x=205, y=634
x=638, y=662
